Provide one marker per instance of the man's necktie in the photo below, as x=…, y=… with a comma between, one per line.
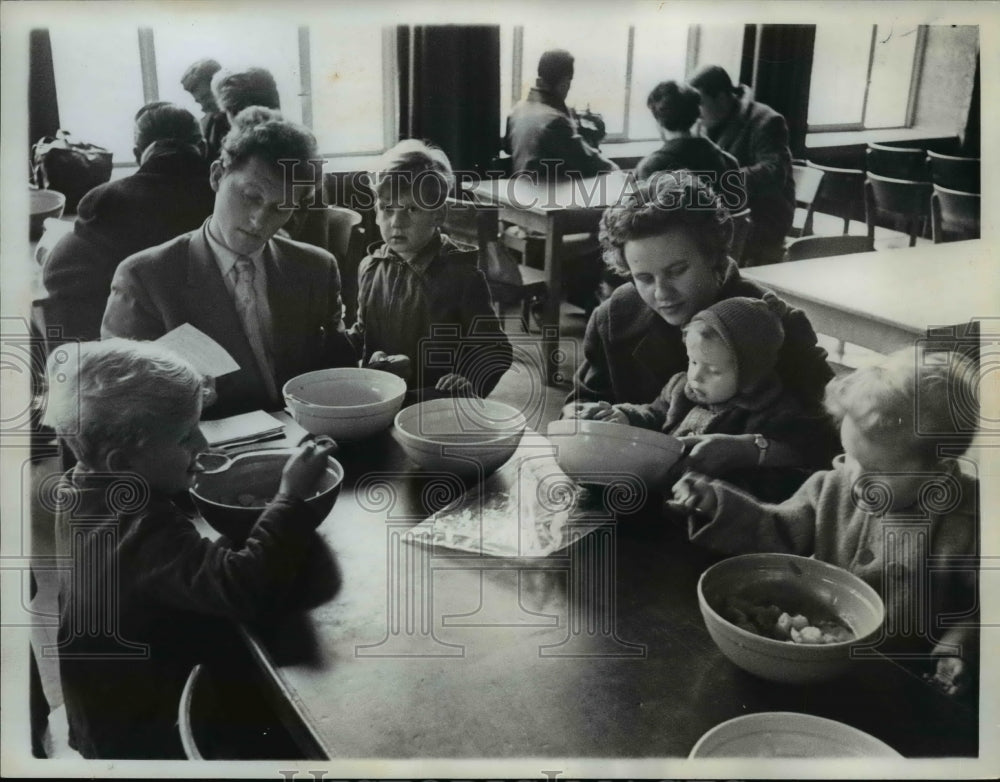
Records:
x=246, y=306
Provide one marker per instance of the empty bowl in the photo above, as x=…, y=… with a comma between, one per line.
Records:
x=232, y=498
x=796, y=585
x=788, y=734
x=347, y=403
x=602, y=452
x=461, y=435
x=44, y=204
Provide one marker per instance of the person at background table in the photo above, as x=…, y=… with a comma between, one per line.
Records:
x=757, y=136
x=236, y=91
x=130, y=412
x=197, y=80
x=675, y=107
x=893, y=507
x=673, y=248
x=732, y=392
x=168, y=195
x=418, y=280
x=542, y=137
x=273, y=303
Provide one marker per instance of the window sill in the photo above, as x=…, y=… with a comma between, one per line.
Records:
x=846, y=138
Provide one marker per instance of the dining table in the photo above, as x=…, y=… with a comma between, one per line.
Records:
x=554, y=210
x=888, y=300
x=396, y=648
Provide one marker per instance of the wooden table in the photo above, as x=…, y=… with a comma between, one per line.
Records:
x=555, y=211
x=887, y=300
x=598, y=651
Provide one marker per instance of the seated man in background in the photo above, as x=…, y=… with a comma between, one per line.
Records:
x=274, y=304
x=544, y=140
x=197, y=80
x=757, y=136
x=168, y=195
x=541, y=131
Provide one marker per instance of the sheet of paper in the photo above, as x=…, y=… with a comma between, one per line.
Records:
x=528, y=508
x=243, y=428
x=207, y=355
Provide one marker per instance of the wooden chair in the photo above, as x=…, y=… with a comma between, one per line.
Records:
x=510, y=282
x=954, y=173
x=807, y=183
x=896, y=162
x=904, y=201
x=827, y=247
x=742, y=224
x=340, y=227
x=225, y=718
x=840, y=192
x=954, y=215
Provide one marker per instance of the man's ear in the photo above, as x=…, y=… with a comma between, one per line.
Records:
x=215, y=174
x=116, y=460
x=440, y=215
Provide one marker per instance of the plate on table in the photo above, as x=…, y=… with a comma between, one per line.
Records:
x=788, y=734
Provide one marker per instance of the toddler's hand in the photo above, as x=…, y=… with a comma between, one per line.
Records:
x=398, y=363
x=612, y=415
x=950, y=675
x=454, y=384
x=304, y=468
x=693, y=494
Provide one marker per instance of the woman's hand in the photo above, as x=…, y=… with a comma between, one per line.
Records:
x=693, y=494
x=454, y=383
x=595, y=411
x=304, y=468
x=717, y=454
x=398, y=364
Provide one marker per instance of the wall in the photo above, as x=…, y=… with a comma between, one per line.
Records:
x=946, y=77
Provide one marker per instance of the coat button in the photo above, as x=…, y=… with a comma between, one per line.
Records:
x=866, y=557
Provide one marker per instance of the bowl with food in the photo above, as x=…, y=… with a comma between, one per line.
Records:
x=787, y=618
x=232, y=495
x=601, y=452
x=466, y=436
x=346, y=403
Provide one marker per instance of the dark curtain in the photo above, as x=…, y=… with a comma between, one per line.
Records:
x=43, y=109
x=449, y=90
x=784, y=69
x=971, y=139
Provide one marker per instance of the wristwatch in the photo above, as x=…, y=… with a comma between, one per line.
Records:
x=762, y=445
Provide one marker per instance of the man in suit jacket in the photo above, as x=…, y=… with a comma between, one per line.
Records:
x=197, y=80
x=757, y=136
x=541, y=129
x=273, y=303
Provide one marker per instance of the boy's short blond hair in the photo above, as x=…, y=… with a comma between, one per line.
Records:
x=118, y=393
x=415, y=167
x=918, y=398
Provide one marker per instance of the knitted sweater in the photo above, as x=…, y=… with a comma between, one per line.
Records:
x=922, y=560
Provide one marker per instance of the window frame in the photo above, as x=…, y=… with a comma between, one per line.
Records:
x=911, y=103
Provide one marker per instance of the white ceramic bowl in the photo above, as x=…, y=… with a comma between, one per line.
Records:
x=44, y=204
x=788, y=734
x=796, y=585
x=347, y=403
x=602, y=452
x=464, y=436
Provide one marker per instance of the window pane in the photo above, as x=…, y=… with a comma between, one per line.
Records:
x=721, y=45
x=98, y=84
x=840, y=67
x=267, y=44
x=659, y=54
x=892, y=70
x=347, y=87
x=600, y=49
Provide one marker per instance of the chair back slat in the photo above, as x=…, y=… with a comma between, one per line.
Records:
x=956, y=215
x=897, y=162
x=955, y=173
x=827, y=247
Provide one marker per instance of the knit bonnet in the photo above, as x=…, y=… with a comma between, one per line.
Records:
x=752, y=330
